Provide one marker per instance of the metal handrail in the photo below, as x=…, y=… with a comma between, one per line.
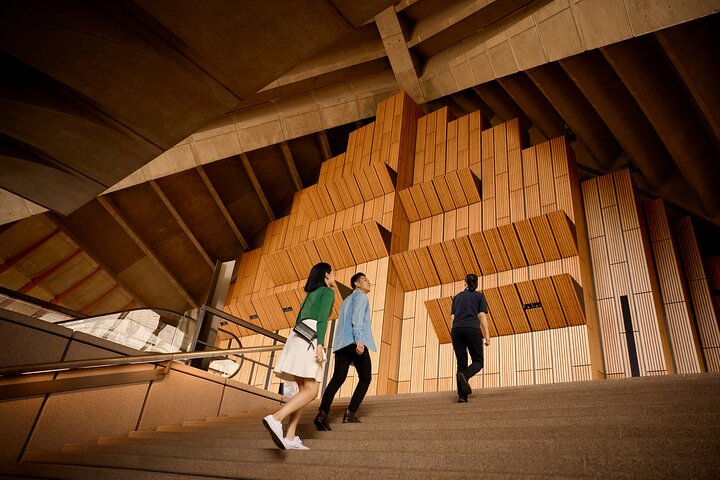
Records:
x=128, y=360
x=243, y=323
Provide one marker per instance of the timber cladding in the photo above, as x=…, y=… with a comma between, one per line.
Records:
x=419, y=201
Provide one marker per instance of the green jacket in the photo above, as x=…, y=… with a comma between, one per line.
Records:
x=318, y=305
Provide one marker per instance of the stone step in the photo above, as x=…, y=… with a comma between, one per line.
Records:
x=241, y=449
x=24, y=471
x=579, y=398
x=636, y=445
x=463, y=410
x=470, y=430
x=461, y=422
x=311, y=462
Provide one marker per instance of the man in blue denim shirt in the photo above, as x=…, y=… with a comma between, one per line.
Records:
x=353, y=338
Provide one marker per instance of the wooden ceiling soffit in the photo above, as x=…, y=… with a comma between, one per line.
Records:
x=528, y=242
x=361, y=243
x=434, y=197
x=529, y=306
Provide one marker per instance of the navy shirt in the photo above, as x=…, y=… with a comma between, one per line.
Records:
x=465, y=306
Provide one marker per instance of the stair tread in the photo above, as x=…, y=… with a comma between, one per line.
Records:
x=631, y=428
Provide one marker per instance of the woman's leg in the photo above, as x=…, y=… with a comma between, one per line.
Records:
x=308, y=389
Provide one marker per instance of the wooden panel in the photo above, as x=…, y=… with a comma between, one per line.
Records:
x=569, y=293
x=456, y=188
x=497, y=249
x=356, y=247
x=467, y=255
x=403, y=272
x=498, y=313
x=514, y=308
x=453, y=258
x=550, y=302
x=681, y=327
x=528, y=295
x=409, y=205
x=512, y=246
x=345, y=253
x=470, y=185
x=530, y=245
x=427, y=266
x=415, y=269
x=545, y=174
x=699, y=289
x=431, y=197
x=437, y=317
x=442, y=265
x=564, y=233
x=482, y=253
x=543, y=233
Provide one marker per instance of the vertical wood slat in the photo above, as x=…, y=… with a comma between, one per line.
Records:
x=678, y=313
x=698, y=287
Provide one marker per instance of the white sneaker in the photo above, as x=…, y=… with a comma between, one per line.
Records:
x=276, y=431
x=295, y=444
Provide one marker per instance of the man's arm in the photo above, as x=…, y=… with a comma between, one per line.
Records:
x=484, y=327
x=360, y=304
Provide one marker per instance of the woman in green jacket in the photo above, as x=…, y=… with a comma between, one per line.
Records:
x=301, y=362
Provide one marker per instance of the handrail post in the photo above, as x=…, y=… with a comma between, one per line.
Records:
x=208, y=325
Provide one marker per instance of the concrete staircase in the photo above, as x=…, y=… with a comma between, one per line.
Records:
x=652, y=427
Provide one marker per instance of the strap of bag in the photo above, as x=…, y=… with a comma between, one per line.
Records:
x=297, y=320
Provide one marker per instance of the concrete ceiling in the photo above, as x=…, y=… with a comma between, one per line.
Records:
x=239, y=115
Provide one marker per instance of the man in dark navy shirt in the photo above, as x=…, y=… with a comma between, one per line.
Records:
x=469, y=327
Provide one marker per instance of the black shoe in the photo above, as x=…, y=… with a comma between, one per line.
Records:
x=462, y=400
x=463, y=384
x=321, y=421
x=350, y=417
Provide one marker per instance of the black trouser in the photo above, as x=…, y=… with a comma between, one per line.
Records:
x=466, y=339
x=343, y=359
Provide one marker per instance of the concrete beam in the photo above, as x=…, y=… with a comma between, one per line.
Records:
x=324, y=145
x=538, y=109
x=680, y=45
x=618, y=109
x=578, y=114
x=403, y=65
x=57, y=221
x=642, y=69
x=182, y=223
x=499, y=101
x=120, y=219
x=292, y=169
x=256, y=185
x=221, y=206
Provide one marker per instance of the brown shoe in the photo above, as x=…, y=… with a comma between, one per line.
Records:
x=321, y=421
x=350, y=417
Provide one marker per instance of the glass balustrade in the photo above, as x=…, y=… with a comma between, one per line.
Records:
x=147, y=330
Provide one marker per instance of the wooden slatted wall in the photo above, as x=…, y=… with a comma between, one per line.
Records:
x=508, y=237
x=678, y=312
x=697, y=281
x=348, y=219
x=622, y=266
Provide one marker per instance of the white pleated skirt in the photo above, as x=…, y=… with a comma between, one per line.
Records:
x=297, y=360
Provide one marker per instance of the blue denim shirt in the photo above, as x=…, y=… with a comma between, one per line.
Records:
x=353, y=324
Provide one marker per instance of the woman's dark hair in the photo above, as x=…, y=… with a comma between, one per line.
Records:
x=471, y=281
x=316, y=279
x=355, y=278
